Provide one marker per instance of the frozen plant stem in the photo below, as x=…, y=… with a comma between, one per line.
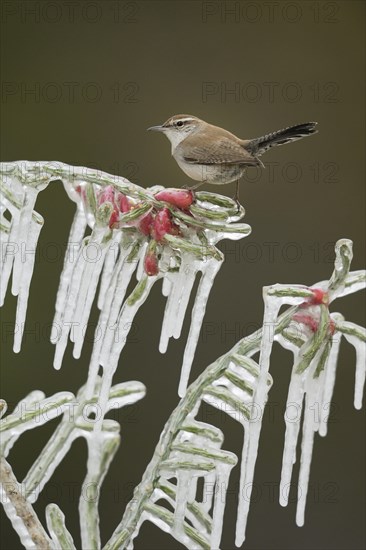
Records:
x=21, y=512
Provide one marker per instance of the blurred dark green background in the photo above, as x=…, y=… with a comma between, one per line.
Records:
x=81, y=82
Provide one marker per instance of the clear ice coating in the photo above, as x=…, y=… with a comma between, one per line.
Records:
x=120, y=317
x=196, y=452
x=35, y=410
x=18, y=238
x=110, y=255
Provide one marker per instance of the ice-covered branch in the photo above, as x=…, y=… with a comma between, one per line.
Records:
x=157, y=233
x=123, y=232
x=35, y=410
x=237, y=385
x=20, y=511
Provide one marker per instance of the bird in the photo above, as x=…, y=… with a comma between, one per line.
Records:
x=211, y=154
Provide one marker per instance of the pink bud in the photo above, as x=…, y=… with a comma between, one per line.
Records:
x=114, y=218
x=307, y=320
x=181, y=198
x=319, y=297
x=106, y=195
x=124, y=203
x=145, y=224
x=151, y=262
x=162, y=224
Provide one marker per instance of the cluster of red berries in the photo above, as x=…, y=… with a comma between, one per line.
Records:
x=154, y=224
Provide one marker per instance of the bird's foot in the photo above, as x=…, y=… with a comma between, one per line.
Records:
x=238, y=205
x=236, y=198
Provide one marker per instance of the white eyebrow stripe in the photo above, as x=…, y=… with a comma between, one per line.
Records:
x=173, y=121
x=187, y=119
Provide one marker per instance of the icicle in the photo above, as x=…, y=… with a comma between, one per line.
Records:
x=180, y=287
x=88, y=290
x=68, y=318
x=360, y=348
x=127, y=315
x=183, y=488
x=9, y=254
x=251, y=441
x=209, y=271
x=111, y=333
x=81, y=290
x=190, y=269
x=192, y=489
x=93, y=244
x=208, y=490
x=18, y=246
x=159, y=493
x=108, y=267
x=222, y=483
x=5, y=228
x=292, y=420
x=124, y=323
x=360, y=372
x=12, y=196
x=27, y=272
x=175, y=279
x=311, y=422
x=329, y=378
x=167, y=285
x=75, y=241
x=140, y=266
x=113, y=299
x=30, y=197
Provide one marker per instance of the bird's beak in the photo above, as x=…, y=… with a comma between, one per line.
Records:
x=156, y=128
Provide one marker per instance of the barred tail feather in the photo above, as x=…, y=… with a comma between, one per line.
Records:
x=259, y=145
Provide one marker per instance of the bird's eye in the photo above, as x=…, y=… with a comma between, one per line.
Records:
x=180, y=123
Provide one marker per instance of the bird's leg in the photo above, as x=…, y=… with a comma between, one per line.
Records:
x=236, y=196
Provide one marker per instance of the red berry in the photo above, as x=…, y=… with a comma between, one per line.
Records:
x=181, y=198
x=332, y=327
x=106, y=195
x=124, y=203
x=151, y=262
x=162, y=224
x=114, y=218
x=319, y=297
x=145, y=224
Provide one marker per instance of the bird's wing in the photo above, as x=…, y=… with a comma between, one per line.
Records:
x=222, y=151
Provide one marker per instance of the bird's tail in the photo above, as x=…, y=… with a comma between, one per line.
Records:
x=259, y=145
